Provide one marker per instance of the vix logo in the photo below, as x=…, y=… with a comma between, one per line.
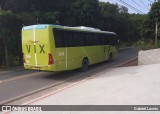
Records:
x=28, y=48
x=41, y=47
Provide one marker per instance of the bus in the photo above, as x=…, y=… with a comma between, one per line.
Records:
x=49, y=47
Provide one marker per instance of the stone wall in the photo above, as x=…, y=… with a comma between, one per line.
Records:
x=149, y=57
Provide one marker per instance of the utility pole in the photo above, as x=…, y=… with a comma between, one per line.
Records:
x=156, y=32
x=156, y=29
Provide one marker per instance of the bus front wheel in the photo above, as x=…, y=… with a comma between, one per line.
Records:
x=85, y=64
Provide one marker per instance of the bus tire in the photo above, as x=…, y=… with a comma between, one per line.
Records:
x=85, y=64
x=110, y=56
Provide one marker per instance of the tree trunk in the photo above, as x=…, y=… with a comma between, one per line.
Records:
x=6, y=55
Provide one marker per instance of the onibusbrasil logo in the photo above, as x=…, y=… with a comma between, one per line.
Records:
x=21, y=108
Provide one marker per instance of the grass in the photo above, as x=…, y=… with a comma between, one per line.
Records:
x=146, y=45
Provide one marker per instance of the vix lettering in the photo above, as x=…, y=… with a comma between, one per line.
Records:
x=40, y=46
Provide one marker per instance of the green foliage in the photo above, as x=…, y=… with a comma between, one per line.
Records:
x=15, y=14
x=137, y=21
x=123, y=45
x=18, y=6
x=155, y=11
x=86, y=12
x=10, y=27
x=149, y=24
x=144, y=44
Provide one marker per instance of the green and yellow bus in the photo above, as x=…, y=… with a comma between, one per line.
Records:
x=58, y=48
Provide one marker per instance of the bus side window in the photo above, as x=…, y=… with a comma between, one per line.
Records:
x=75, y=38
x=68, y=38
x=85, y=39
x=63, y=39
x=80, y=39
x=116, y=40
x=110, y=39
x=99, y=39
x=58, y=38
x=104, y=39
x=92, y=39
x=95, y=39
x=72, y=39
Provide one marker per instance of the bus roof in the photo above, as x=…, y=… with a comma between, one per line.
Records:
x=80, y=28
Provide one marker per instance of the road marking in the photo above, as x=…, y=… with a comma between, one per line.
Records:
x=20, y=77
x=71, y=85
x=41, y=89
x=64, y=88
x=58, y=83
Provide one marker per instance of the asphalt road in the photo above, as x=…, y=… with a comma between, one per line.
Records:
x=19, y=82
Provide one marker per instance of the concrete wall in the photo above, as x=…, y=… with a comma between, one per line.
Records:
x=149, y=57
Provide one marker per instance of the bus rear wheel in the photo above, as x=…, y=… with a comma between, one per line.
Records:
x=85, y=64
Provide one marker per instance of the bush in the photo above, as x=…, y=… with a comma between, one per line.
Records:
x=146, y=44
x=123, y=44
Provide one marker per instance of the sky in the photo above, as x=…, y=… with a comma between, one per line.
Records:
x=138, y=6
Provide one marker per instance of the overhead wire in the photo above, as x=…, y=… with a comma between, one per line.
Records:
x=144, y=4
x=150, y=1
x=138, y=4
x=133, y=8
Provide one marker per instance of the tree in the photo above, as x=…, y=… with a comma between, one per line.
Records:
x=149, y=24
x=137, y=21
x=10, y=28
x=108, y=17
x=123, y=9
x=86, y=12
x=116, y=18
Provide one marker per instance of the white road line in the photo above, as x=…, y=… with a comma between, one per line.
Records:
x=66, y=87
x=49, y=86
x=20, y=77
